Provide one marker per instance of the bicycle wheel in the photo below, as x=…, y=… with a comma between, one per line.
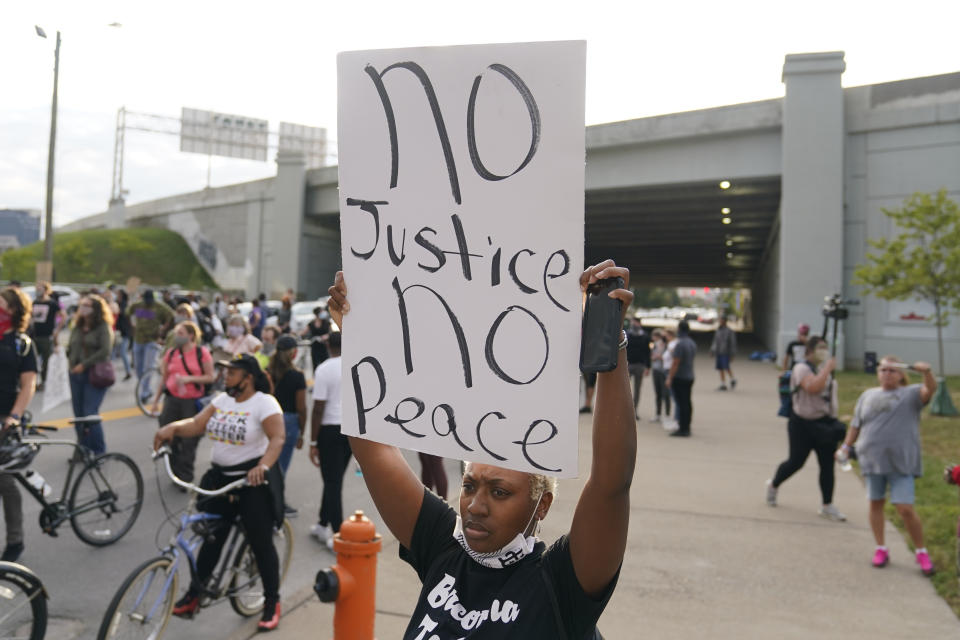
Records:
x=23, y=604
x=106, y=499
x=245, y=588
x=142, y=605
x=146, y=389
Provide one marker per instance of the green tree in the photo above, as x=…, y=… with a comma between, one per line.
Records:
x=655, y=297
x=922, y=262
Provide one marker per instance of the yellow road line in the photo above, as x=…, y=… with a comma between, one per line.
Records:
x=116, y=414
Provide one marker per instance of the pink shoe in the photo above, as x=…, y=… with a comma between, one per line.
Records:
x=923, y=559
x=881, y=558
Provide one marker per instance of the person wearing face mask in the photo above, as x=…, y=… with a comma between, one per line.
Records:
x=18, y=377
x=813, y=424
x=183, y=313
x=245, y=426
x=886, y=430
x=239, y=339
x=91, y=341
x=485, y=574
x=185, y=368
x=269, y=347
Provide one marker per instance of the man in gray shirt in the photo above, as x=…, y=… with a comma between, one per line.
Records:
x=680, y=379
x=887, y=422
x=724, y=347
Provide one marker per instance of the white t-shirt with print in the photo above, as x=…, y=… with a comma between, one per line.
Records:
x=236, y=428
x=326, y=387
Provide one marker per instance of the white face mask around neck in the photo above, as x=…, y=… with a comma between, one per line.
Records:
x=507, y=555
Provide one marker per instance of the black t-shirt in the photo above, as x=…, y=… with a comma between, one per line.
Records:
x=17, y=355
x=461, y=598
x=638, y=348
x=45, y=317
x=286, y=390
x=796, y=353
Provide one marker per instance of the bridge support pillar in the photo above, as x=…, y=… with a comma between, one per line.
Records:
x=811, y=205
x=285, y=228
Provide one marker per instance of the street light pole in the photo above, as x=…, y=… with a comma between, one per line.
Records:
x=48, y=239
x=48, y=223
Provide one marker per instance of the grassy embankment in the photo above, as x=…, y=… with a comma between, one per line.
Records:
x=937, y=502
x=156, y=256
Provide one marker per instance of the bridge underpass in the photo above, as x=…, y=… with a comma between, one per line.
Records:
x=674, y=235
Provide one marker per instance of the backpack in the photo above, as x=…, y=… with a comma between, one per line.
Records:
x=205, y=322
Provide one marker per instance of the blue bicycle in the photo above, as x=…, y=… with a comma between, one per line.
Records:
x=142, y=606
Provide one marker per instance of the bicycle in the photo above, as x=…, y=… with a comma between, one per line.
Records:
x=104, y=500
x=23, y=603
x=143, y=604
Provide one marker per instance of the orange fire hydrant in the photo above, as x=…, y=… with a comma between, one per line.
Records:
x=352, y=582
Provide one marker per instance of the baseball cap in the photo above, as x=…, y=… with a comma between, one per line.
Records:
x=243, y=361
x=286, y=342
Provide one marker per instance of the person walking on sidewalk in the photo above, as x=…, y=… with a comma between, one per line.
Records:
x=886, y=430
x=813, y=426
x=484, y=557
x=657, y=360
x=724, y=347
x=680, y=379
x=638, y=358
x=91, y=342
x=18, y=378
x=329, y=449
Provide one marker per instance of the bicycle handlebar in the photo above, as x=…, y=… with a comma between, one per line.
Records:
x=164, y=452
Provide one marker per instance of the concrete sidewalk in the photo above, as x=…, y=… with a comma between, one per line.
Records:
x=706, y=557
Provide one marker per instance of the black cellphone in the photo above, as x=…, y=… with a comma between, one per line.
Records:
x=600, y=336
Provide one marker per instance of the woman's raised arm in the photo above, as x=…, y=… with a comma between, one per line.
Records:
x=393, y=485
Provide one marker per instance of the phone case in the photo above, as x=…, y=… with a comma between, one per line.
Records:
x=600, y=336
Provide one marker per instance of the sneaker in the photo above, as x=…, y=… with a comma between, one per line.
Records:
x=186, y=606
x=679, y=434
x=923, y=559
x=722, y=387
x=12, y=552
x=771, y=494
x=655, y=418
x=586, y=410
x=330, y=543
x=880, y=558
x=270, y=618
x=733, y=383
x=322, y=532
x=670, y=425
x=289, y=511
x=830, y=512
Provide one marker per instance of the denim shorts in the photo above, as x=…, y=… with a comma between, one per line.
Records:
x=723, y=362
x=901, y=487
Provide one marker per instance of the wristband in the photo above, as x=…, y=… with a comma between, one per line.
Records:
x=623, y=343
x=845, y=446
x=313, y=443
x=264, y=467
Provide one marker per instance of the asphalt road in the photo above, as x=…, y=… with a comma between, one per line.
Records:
x=81, y=580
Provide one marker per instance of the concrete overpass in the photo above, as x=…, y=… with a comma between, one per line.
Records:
x=808, y=176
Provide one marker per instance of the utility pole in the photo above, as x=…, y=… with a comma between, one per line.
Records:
x=48, y=223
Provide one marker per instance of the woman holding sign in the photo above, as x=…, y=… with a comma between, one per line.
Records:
x=485, y=574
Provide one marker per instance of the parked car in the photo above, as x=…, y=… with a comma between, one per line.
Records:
x=302, y=313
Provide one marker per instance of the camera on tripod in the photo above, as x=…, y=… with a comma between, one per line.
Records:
x=836, y=307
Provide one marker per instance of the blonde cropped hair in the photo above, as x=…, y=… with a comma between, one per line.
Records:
x=904, y=379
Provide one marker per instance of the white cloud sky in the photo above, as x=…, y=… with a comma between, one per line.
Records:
x=277, y=61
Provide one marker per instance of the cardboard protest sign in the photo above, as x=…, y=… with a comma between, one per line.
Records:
x=461, y=213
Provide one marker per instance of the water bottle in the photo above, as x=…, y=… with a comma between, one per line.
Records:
x=843, y=459
x=37, y=482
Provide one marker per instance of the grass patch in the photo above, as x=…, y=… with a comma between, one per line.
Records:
x=937, y=502
x=156, y=256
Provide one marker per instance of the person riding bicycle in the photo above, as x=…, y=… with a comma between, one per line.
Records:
x=18, y=377
x=485, y=553
x=245, y=425
x=185, y=368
